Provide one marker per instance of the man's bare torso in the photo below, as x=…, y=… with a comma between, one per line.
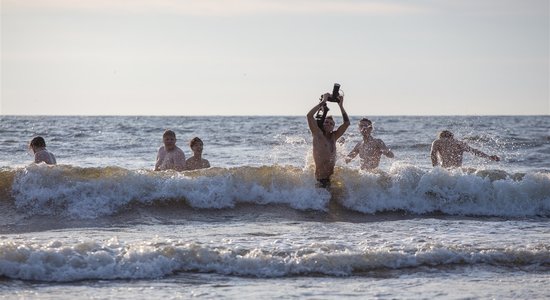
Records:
x=324, y=154
x=370, y=152
x=170, y=160
x=450, y=151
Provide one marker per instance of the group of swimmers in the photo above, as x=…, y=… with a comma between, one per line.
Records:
x=169, y=156
x=446, y=150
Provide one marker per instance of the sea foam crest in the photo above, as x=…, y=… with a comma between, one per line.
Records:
x=455, y=192
x=113, y=259
x=94, y=192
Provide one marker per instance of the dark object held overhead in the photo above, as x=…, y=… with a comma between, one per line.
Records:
x=335, y=93
x=323, y=110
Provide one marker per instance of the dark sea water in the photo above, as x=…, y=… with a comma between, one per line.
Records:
x=102, y=224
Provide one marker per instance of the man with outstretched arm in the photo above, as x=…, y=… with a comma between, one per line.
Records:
x=324, y=141
x=449, y=151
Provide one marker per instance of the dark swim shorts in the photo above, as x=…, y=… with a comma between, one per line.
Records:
x=323, y=183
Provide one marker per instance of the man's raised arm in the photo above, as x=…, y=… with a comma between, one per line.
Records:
x=340, y=131
x=311, y=119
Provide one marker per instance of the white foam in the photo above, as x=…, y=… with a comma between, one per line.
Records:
x=64, y=190
x=455, y=192
x=93, y=192
x=113, y=259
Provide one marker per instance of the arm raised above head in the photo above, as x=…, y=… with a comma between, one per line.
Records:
x=342, y=128
x=312, y=123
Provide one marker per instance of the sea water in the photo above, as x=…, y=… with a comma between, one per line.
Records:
x=102, y=224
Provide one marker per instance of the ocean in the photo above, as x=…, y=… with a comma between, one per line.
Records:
x=102, y=224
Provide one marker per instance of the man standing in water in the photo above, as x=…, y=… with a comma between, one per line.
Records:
x=324, y=141
x=450, y=151
x=170, y=156
x=370, y=149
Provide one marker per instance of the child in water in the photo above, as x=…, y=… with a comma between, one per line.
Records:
x=196, y=161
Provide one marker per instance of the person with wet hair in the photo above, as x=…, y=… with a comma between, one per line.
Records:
x=449, y=151
x=370, y=149
x=170, y=156
x=324, y=140
x=41, y=154
x=196, y=161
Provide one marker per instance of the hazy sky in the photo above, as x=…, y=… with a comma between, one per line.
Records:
x=274, y=57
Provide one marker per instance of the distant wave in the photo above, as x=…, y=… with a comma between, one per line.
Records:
x=88, y=193
x=90, y=260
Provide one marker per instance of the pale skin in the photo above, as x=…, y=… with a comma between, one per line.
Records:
x=170, y=157
x=449, y=152
x=196, y=161
x=324, y=144
x=43, y=155
x=370, y=149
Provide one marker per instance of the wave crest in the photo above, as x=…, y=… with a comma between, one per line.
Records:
x=89, y=193
x=113, y=259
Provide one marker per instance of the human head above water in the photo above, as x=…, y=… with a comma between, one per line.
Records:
x=194, y=141
x=37, y=142
x=169, y=133
x=365, y=126
x=169, y=140
x=365, y=122
x=328, y=124
x=445, y=134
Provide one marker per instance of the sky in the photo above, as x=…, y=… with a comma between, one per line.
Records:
x=274, y=57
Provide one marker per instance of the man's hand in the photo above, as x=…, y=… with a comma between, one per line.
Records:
x=341, y=102
x=324, y=98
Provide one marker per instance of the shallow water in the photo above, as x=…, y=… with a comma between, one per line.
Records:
x=103, y=225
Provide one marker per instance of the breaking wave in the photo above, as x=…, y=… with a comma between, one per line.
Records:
x=88, y=193
x=112, y=259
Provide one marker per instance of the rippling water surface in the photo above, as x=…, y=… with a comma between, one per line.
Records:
x=103, y=224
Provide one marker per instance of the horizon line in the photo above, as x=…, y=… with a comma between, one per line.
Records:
x=275, y=115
